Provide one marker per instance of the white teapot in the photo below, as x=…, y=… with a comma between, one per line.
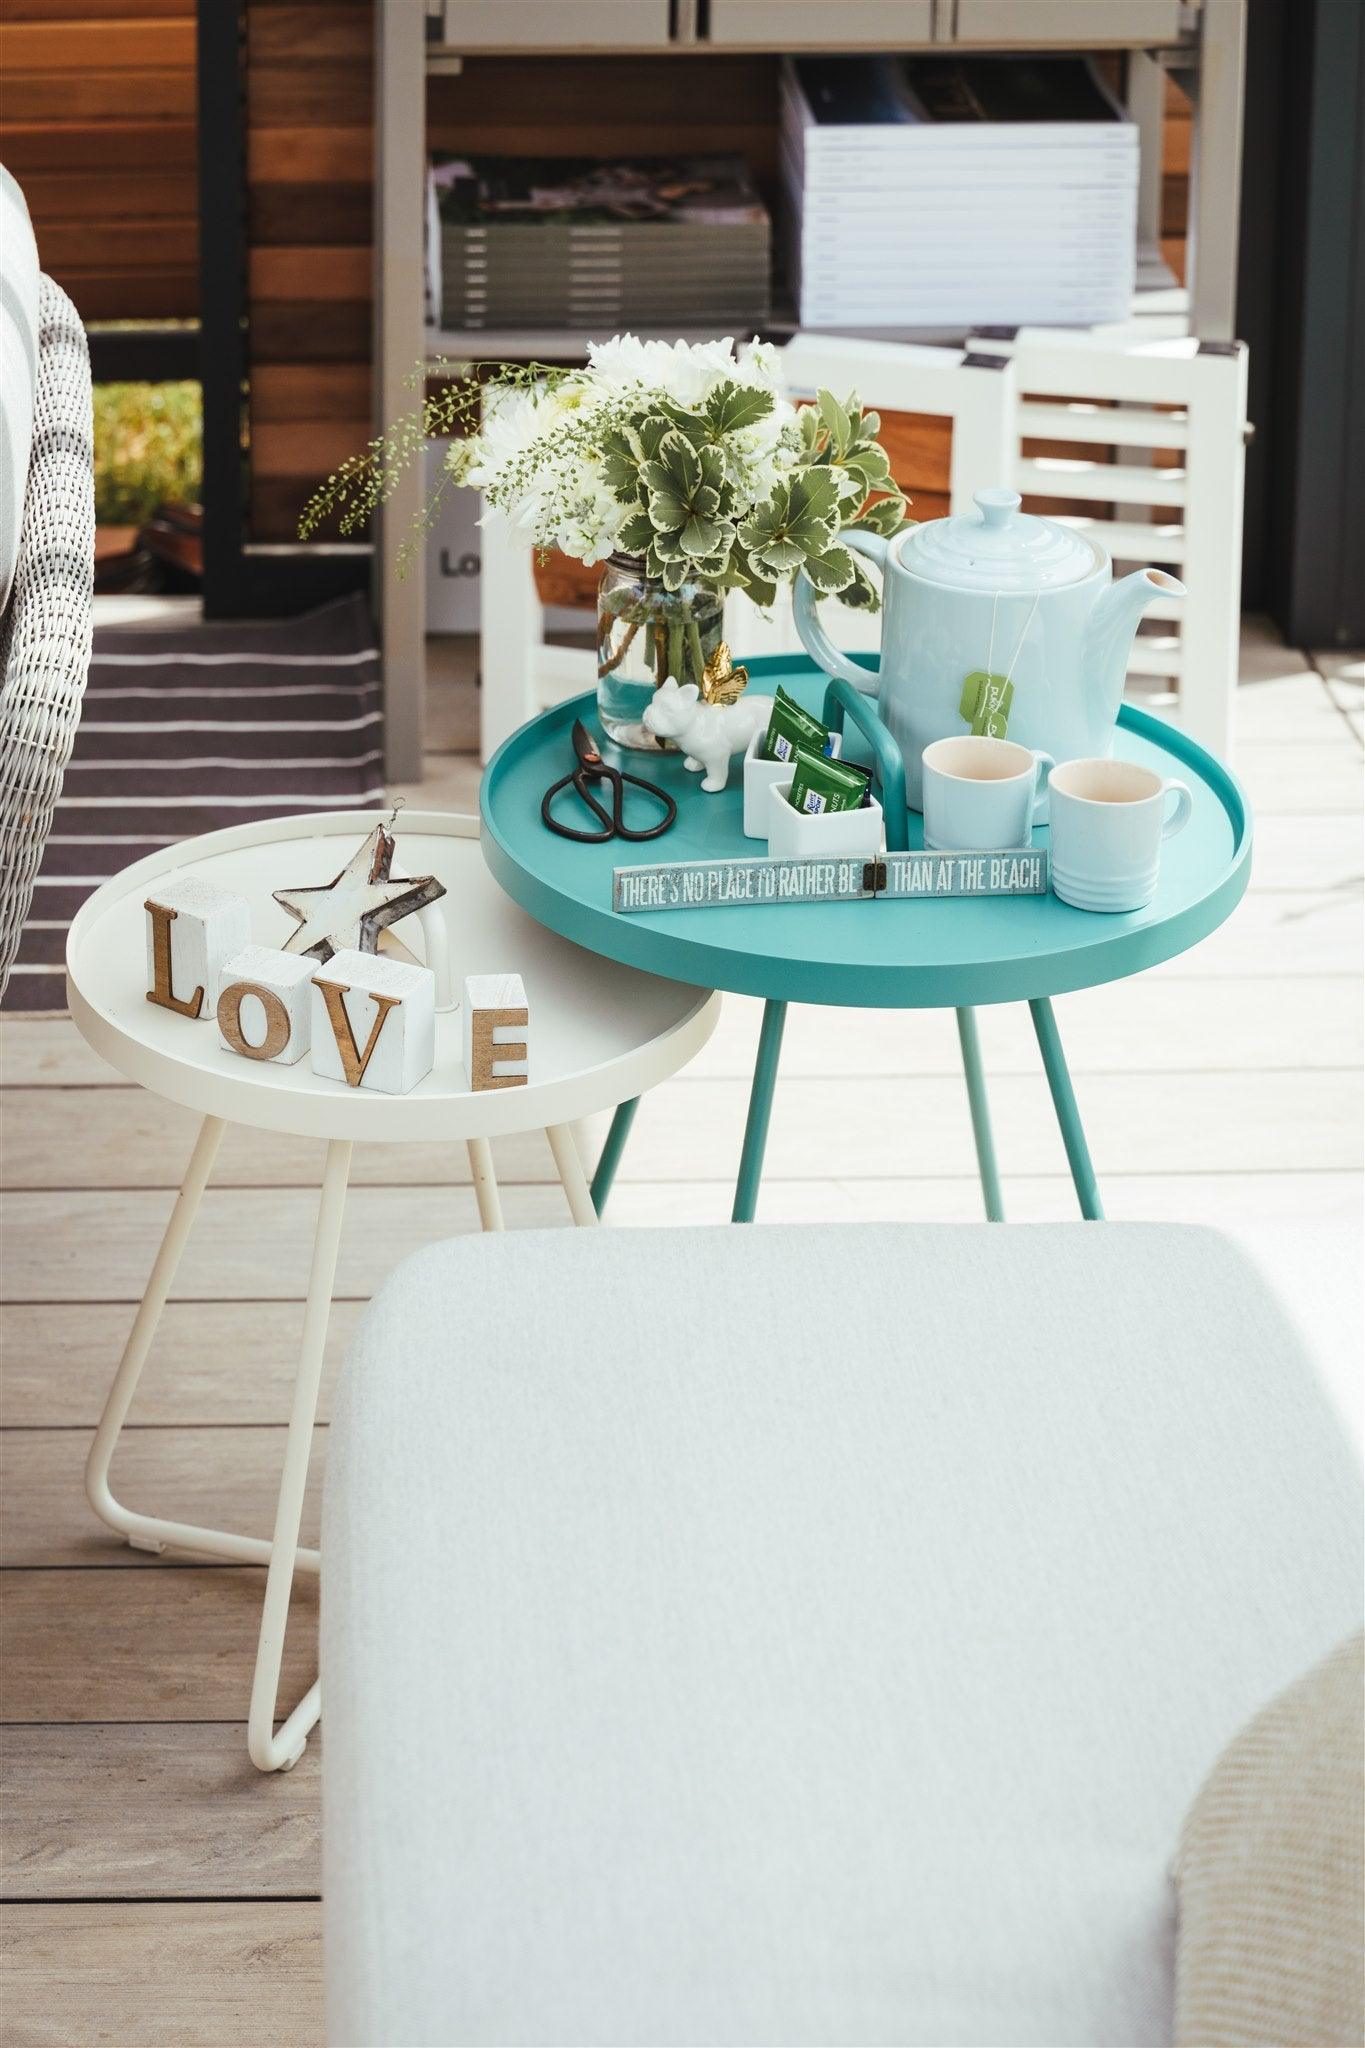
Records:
x=997, y=593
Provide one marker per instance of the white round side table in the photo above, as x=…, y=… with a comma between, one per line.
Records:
x=599, y=1035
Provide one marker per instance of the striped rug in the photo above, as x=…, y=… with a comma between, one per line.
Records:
x=188, y=729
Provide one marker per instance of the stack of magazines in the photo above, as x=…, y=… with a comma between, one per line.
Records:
x=517, y=242
x=948, y=192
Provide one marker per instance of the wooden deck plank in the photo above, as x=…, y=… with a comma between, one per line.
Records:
x=212, y=1362
x=224, y=1478
x=125, y=1137
x=193, y=1975
x=155, y=1811
x=388, y=1222
x=691, y=1128
x=162, y=1645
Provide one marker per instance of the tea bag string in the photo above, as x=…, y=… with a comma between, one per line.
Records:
x=1019, y=644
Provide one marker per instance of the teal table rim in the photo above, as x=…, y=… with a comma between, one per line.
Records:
x=1120, y=946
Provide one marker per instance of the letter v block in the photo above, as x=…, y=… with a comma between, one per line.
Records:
x=374, y=1022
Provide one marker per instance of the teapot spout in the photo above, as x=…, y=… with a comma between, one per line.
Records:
x=1109, y=641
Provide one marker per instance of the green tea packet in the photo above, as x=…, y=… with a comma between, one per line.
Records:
x=820, y=784
x=790, y=727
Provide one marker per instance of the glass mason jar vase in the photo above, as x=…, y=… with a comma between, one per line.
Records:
x=644, y=635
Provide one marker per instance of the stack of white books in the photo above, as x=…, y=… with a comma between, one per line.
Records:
x=951, y=192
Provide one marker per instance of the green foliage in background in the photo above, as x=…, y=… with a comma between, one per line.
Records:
x=148, y=448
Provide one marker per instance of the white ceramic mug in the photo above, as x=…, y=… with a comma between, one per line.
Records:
x=980, y=793
x=1108, y=821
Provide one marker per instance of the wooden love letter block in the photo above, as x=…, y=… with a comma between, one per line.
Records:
x=265, y=1008
x=374, y=1022
x=495, y=1020
x=193, y=929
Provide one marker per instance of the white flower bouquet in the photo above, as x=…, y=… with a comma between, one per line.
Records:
x=683, y=467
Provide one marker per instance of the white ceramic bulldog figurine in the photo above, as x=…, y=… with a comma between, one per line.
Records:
x=707, y=733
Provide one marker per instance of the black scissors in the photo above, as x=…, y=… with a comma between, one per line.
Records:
x=592, y=768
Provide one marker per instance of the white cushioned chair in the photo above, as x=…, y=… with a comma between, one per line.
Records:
x=804, y=1635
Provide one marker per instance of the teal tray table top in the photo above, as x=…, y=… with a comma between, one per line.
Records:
x=956, y=952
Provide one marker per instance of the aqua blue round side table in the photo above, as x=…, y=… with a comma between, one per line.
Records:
x=953, y=953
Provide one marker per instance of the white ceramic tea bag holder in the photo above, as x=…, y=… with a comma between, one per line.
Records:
x=193, y=929
x=1109, y=819
x=821, y=835
x=759, y=777
x=374, y=1022
x=265, y=1006
x=981, y=794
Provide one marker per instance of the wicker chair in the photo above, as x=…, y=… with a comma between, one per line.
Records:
x=45, y=632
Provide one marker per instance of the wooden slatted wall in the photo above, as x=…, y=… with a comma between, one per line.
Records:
x=309, y=162
x=97, y=122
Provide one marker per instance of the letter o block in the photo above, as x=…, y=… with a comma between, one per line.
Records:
x=265, y=1008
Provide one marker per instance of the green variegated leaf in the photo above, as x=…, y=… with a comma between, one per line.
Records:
x=668, y=512
x=837, y=423
x=636, y=533
x=862, y=594
x=700, y=536
x=650, y=433
x=732, y=406
x=781, y=556
x=886, y=516
x=834, y=570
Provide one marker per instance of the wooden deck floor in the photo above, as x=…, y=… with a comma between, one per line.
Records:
x=160, y=1892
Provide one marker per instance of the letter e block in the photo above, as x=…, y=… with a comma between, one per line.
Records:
x=193, y=929
x=495, y=1020
x=265, y=1008
x=374, y=1022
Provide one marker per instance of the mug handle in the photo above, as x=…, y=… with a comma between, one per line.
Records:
x=812, y=634
x=1043, y=765
x=1179, y=818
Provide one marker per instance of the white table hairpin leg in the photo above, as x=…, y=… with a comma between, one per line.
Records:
x=571, y=1176
x=273, y=1750
x=485, y=1183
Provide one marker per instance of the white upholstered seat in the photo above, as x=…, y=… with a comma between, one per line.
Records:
x=803, y=1635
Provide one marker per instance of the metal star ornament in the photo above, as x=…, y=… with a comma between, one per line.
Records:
x=359, y=904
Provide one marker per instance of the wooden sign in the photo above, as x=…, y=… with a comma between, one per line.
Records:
x=713, y=884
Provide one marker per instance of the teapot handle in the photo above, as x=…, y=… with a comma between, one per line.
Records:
x=812, y=634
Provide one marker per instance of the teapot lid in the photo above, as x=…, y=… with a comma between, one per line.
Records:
x=998, y=547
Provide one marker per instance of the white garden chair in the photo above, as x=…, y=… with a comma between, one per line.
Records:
x=46, y=627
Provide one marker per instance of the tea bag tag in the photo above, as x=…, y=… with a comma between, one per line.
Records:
x=985, y=703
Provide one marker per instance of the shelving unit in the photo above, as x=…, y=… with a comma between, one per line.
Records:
x=1199, y=45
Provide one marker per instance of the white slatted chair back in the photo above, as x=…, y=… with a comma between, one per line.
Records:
x=45, y=633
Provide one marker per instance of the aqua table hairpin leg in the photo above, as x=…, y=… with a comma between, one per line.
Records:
x=981, y=1115
x=760, y=1110
x=611, y=1153
x=1068, y=1115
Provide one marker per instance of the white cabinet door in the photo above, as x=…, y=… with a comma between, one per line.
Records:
x=1079, y=24
x=851, y=25
x=555, y=24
